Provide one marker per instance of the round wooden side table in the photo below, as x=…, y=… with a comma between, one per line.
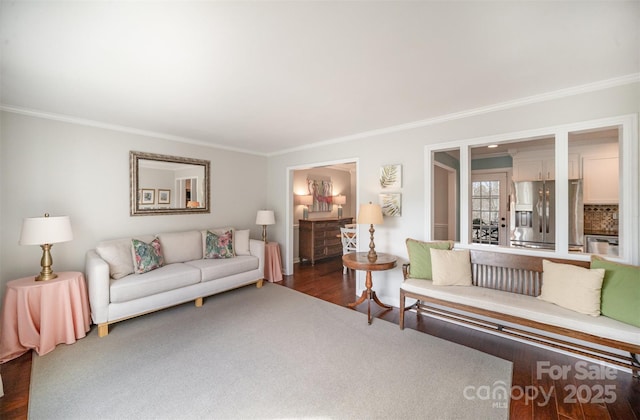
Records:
x=360, y=261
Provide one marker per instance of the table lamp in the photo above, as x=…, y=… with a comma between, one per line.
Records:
x=264, y=218
x=340, y=200
x=306, y=201
x=45, y=231
x=370, y=214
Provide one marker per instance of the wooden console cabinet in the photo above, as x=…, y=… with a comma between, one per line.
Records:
x=320, y=238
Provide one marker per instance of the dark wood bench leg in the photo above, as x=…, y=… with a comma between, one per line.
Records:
x=635, y=365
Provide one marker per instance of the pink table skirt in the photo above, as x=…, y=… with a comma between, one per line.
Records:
x=42, y=314
x=272, y=262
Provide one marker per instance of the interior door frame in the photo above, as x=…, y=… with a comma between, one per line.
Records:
x=289, y=245
x=452, y=196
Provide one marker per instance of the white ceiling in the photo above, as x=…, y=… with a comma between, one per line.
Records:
x=267, y=77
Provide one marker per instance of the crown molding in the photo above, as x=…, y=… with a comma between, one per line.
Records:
x=557, y=94
x=120, y=128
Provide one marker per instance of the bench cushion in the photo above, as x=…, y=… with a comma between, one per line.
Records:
x=217, y=268
x=526, y=307
x=168, y=277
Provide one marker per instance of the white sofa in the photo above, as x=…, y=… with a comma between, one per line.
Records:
x=116, y=293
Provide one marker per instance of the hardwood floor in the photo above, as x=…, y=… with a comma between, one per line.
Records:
x=620, y=394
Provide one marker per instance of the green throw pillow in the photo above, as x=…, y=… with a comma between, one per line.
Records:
x=420, y=257
x=620, y=291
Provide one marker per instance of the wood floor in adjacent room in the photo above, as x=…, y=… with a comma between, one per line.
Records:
x=620, y=395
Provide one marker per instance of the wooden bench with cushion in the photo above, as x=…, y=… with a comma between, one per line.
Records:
x=503, y=299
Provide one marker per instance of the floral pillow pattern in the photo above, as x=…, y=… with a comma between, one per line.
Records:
x=219, y=246
x=146, y=256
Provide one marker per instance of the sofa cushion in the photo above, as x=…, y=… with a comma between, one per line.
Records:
x=217, y=268
x=117, y=253
x=420, y=257
x=572, y=287
x=181, y=246
x=241, y=242
x=620, y=290
x=219, y=245
x=146, y=256
x=169, y=277
x=451, y=268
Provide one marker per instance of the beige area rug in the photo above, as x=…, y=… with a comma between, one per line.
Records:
x=268, y=353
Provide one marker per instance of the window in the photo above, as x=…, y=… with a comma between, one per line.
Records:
x=556, y=155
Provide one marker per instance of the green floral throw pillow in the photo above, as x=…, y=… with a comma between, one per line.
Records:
x=219, y=246
x=146, y=256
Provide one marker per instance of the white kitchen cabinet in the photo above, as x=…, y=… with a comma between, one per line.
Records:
x=601, y=179
x=543, y=168
x=527, y=170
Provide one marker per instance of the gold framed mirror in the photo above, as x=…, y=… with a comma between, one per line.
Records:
x=163, y=184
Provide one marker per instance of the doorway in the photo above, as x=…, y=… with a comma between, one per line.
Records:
x=445, y=203
x=489, y=208
x=343, y=175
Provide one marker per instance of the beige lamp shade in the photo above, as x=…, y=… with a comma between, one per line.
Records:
x=305, y=200
x=265, y=217
x=340, y=199
x=370, y=214
x=45, y=230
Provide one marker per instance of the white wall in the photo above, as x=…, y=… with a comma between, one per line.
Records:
x=83, y=172
x=407, y=148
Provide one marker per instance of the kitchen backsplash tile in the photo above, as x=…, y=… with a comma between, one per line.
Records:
x=601, y=218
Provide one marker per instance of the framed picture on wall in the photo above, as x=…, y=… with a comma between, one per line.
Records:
x=164, y=196
x=147, y=196
x=321, y=189
x=391, y=176
x=391, y=204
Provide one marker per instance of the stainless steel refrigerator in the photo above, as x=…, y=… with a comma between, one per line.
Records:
x=533, y=215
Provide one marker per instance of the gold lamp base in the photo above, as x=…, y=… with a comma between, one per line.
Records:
x=46, y=262
x=372, y=256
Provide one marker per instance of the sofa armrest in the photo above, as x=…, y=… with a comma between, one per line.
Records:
x=98, y=282
x=256, y=247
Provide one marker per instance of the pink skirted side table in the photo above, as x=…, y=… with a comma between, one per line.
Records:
x=272, y=262
x=42, y=314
